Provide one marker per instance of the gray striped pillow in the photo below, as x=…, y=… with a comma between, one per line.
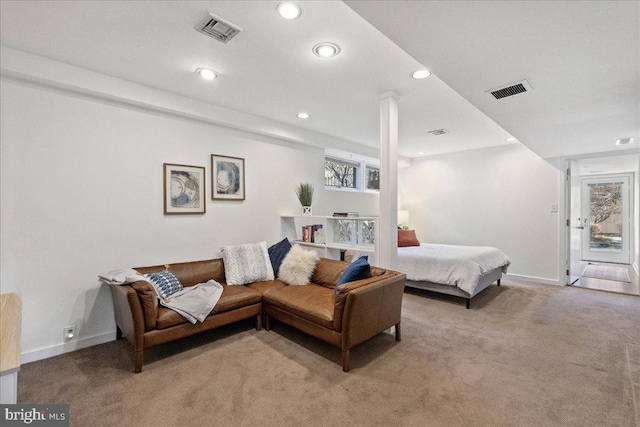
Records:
x=246, y=263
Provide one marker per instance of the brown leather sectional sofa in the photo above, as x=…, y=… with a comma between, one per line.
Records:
x=356, y=312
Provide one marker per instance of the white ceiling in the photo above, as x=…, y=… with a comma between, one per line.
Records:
x=606, y=165
x=582, y=61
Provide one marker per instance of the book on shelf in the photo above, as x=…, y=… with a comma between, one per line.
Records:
x=346, y=214
x=313, y=233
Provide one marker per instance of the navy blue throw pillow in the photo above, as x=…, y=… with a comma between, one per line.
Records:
x=277, y=253
x=359, y=269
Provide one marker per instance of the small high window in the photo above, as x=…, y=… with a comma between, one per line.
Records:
x=372, y=176
x=341, y=173
x=351, y=172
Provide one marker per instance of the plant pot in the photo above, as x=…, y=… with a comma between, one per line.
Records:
x=306, y=211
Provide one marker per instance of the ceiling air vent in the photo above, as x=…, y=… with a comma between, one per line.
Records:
x=218, y=28
x=438, y=132
x=513, y=89
x=624, y=141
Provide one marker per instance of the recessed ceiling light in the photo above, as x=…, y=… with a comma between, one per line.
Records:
x=288, y=10
x=420, y=153
x=303, y=115
x=206, y=73
x=421, y=74
x=512, y=139
x=326, y=49
x=624, y=141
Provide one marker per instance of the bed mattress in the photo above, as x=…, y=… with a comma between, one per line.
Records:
x=459, y=266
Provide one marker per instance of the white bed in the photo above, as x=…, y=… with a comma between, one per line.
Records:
x=455, y=270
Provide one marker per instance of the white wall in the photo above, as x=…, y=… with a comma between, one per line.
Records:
x=636, y=217
x=82, y=193
x=498, y=196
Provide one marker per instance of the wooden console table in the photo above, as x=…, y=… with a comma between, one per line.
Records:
x=10, y=324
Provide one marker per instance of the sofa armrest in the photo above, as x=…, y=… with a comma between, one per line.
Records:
x=128, y=314
x=343, y=290
x=149, y=301
x=371, y=308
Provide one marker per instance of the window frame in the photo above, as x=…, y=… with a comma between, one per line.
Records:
x=366, y=178
x=360, y=163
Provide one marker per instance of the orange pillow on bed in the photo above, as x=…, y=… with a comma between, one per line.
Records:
x=407, y=238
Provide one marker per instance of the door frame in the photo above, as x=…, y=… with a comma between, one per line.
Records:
x=564, y=219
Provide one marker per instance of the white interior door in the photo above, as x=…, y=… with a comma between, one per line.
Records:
x=605, y=218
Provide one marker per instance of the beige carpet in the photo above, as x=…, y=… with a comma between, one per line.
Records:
x=523, y=355
x=607, y=272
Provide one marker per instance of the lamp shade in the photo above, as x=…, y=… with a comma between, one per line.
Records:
x=403, y=216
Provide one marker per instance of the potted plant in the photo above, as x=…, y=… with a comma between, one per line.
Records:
x=304, y=191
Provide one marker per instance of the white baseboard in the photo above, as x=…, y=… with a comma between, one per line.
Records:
x=55, y=350
x=535, y=279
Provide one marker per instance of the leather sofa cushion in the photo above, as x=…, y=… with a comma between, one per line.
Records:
x=232, y=297
x=328, y=272
x=263, y=287
x=236, y=296
x=377, y=271
x=168, y=318
x=192, y=273
x=311, y=302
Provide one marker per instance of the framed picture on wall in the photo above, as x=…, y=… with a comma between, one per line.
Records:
x=227, y=178
x=184, y=189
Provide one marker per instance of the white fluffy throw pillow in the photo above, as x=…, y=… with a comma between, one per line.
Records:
x=297, y=267
x=246, y=263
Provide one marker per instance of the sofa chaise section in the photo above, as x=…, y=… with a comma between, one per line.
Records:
x=145, y=324
x=345, y=317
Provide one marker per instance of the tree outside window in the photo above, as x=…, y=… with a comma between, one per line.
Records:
x=606, y=216
x=373, y=177
x=341, y=173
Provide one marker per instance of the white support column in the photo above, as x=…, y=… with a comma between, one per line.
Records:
x=388, y=235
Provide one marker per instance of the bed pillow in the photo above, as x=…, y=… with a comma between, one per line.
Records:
x=165, y=283
x=246, y=263
x=298, y=266
x=358, y=270
x=407, y=238
x=277, y=253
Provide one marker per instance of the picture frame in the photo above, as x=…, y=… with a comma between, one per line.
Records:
x=227, y=178
x=184, y=189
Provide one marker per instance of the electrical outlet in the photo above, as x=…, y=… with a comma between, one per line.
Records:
x=69, y=333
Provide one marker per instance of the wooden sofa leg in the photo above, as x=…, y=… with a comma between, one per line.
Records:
x=345, y=360
x=118, y=333
x=267, y=322
x=259, y=322
x=498, y=282
x=137, y=360
x=398, y=332
x=468, y=301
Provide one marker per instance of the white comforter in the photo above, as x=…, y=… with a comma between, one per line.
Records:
x=459, y=266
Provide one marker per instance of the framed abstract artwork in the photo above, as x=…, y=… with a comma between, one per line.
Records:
x=184, y=189
x=227, y=178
